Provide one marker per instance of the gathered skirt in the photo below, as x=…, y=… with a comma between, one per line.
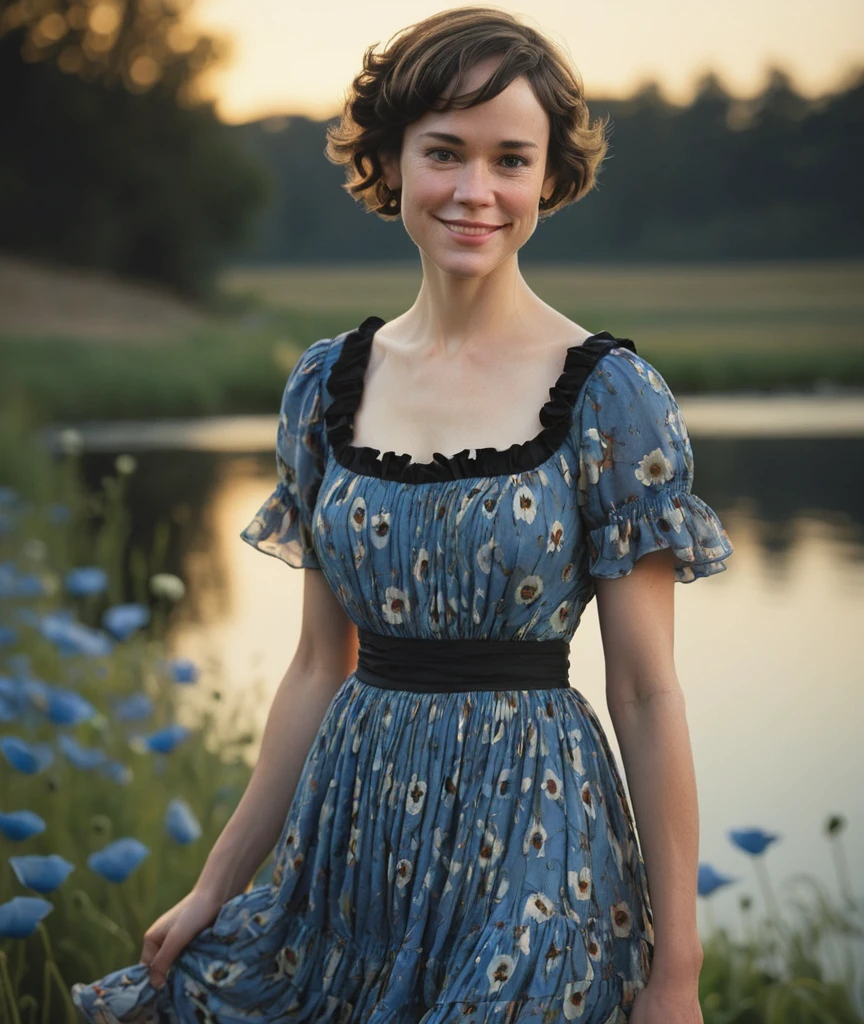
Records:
x=464, y=856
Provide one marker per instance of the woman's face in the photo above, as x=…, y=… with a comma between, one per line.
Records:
x=456, y=167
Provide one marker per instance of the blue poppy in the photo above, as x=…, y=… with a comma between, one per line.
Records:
x=29, y=758
x=71, y=637
x=122, y=620
x=9, y=496
x=752, y=840
x=85, y=581
x=134, y=708
x=66, y=707
x=181, y=823
x=19, y=917
x=8, y=636
x=82, y=757
x=710, y=880
x=10, y=706
x=43, y=874
x=163, y=741
x=116, y=771
x=20, y=825
x=20, y=584
x=118, y=860
x=182, y=670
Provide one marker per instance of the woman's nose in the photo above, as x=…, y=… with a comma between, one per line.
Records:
x=474, y=185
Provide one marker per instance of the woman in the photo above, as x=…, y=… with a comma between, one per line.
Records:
x=456, y=843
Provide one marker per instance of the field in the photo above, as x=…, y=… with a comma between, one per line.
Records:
x=71, y=353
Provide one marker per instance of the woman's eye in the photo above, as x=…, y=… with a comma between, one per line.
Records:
x=509, y=156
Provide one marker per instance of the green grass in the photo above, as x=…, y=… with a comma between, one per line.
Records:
x=706, y=328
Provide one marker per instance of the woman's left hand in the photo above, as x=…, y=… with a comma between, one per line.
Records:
x=666, y=1003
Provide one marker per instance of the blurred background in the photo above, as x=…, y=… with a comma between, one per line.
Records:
x=172, y=237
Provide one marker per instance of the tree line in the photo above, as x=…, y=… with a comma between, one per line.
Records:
x=109, y=158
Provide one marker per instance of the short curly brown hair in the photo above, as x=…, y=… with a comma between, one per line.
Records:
x=397, y=86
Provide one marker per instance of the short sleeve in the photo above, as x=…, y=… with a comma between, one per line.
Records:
x=636, y=475
x=283, y=525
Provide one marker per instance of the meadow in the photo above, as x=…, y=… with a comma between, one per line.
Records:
x=708, y=328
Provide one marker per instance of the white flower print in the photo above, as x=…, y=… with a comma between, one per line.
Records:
x=357, y=513
x=416, y=795
x=421, y=565
x=221, y=972
x=396, y=605
x=558, y=618
x=380, y=529
x=491, y=850
x=575, y=1002
x=565, y=469
x=359, y=553
x=524, y=504
x=654, y=468
x=556, y=536
x=404, y=871
x=580, y=883
x=529, y=589
x=654, y=381
x=538, y=907
x=485, y=554
x=551, y=785
x=622, y=919
x=535, y=837
x=588, y=799
x=499, y=971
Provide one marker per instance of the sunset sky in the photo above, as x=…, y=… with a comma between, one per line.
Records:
x=298, y=57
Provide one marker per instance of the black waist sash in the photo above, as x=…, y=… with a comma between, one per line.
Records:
x=441, y=666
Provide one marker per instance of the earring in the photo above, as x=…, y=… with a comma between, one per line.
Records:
x=391, y=196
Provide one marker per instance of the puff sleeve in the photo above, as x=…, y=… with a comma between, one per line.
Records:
x=283, y=525
x=636, y=475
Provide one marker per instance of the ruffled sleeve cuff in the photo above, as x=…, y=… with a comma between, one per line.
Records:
x=279, y=530
x=668, y=519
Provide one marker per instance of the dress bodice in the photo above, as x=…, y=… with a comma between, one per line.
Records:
x=500, y=544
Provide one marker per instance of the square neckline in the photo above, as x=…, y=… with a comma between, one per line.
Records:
x=345, y=381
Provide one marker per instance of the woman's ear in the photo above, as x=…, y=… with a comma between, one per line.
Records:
x=390, y=168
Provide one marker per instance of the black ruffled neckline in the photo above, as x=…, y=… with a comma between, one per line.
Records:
x=345, y=383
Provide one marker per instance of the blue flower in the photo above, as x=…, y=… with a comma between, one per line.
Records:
x=181, y=823
x=163, y=741
x=82, y=757
x=710, y=880
x=86, y=580
x=29, y=758
x=9, y=496
x=44, y=874
x=24, y=584
x=134, y=708
x=19, y=917
x=8, y=636
x=122, y=620
x=182, y=670
x=752, y=840
x=20, y=825
x=74, y=638
x=116, y=771
x=66, y=707
x=118, y=860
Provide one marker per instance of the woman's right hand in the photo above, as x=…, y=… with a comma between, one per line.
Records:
x=174, y=930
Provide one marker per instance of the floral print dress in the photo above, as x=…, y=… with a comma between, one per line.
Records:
x=468, y=855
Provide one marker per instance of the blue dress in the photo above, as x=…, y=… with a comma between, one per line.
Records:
x=465, y=856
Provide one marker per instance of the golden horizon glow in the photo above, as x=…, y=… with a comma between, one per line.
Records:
x=288, y=59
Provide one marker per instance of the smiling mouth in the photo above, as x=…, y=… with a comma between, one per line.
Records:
x=461, y=229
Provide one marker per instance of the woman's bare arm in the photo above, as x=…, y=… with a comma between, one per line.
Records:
x=325, y=654
x=647, y=708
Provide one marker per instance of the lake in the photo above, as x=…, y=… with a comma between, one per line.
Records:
x=770, y=653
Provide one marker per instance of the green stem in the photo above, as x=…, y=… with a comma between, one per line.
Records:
x=46, y=993
x=842, y=869
x=7, y=986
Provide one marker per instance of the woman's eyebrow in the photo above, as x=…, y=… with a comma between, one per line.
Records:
x=456, y=141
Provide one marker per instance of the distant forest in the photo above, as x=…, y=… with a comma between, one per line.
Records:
x=777, y=176
x=111, y=158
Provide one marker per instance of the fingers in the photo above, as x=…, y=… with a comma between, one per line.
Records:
x=161, y=963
